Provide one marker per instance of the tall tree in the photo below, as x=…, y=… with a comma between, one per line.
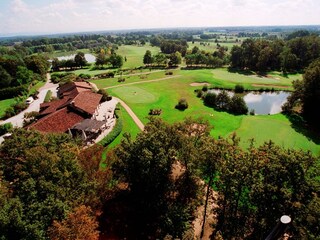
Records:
x=147, y=58
x=80, y=59
x=79, y=224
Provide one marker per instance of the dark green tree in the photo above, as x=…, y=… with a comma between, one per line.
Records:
x=5, y=78
x=80, y=59
x=147, y=58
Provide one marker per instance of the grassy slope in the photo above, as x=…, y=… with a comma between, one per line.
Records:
x=4, y=104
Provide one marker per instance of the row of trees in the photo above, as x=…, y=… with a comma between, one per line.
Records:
x=262, y=55
x=78, y=61
x=223, y=102
x=306, y=95
x=160, y=59
x=115, y=60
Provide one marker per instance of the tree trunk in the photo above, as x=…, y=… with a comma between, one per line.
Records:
x=205, y=206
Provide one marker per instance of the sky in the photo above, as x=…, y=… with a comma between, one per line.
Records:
x=61, y=16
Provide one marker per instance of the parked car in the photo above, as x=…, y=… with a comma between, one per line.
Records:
x=29, y=100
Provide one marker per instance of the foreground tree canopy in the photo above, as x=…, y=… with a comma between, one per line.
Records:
x=51, y=189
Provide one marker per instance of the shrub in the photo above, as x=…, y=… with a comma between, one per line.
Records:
x=155, y=112
x=210, y=99
x=182, y=104
x=10, y=92
x=121, y=79
x=9, y=112
x=238, y=88
x=223, y=101
x=238, y=106
x=199, y=93
x=105, y=95
x=205, y=88
x=252, y=112
x=5, y=128
x=169, y=73
x=48, y=96
x=84, y=76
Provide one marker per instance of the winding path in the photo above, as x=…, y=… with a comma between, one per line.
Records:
x=127, y=108
x=131, y=113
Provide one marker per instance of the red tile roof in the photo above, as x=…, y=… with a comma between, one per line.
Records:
x=87, y=101
x=58, y=122
x=47, y=108
x=69, y=88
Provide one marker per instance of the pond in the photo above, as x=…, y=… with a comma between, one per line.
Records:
x=263, y=103
x=266, y=102
x=89, y=57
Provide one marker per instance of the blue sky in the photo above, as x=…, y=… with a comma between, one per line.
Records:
x=57, y=16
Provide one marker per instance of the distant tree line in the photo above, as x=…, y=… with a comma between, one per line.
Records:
x=283, y=55
x=197, y=58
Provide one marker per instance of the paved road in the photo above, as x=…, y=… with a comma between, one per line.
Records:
x=17, y=120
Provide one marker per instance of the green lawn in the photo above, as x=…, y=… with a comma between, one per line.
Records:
x=276, y=127
x=165, y=95
x=145, y=76
x=134, y=54
x=36, y=87
x=129, y=126
x=219, y=77
x=4, y=104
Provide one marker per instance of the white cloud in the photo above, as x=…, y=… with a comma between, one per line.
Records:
x=83, y=15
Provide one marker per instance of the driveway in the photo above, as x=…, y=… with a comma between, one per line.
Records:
x=17, y=120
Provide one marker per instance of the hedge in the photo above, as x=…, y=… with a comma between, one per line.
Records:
x=113, y=134
x=11, y=92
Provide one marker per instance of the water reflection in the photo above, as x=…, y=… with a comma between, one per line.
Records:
x=266, y=102
x=262, y=102
x=89, y=57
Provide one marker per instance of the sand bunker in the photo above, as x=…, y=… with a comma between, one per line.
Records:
x=198, y=84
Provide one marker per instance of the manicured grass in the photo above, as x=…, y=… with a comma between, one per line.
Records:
x=277, y=128
x=222, y=78
x=36, y=87
x=129, y=126
x=134, y=54
x=145, y=76
x=165, y=95
x=4, y=104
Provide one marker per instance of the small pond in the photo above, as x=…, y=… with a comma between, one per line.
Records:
x=89, y=57
x=263, y=103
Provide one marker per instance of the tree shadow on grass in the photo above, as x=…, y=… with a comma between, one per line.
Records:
x=301, y=126
x=241, y=71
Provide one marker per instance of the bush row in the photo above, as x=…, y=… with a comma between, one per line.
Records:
x=113, y=134
x=11, y=92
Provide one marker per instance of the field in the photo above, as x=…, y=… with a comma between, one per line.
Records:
x=4, y=104
x=134, y=54
x=143, y=90
x=165, y=95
